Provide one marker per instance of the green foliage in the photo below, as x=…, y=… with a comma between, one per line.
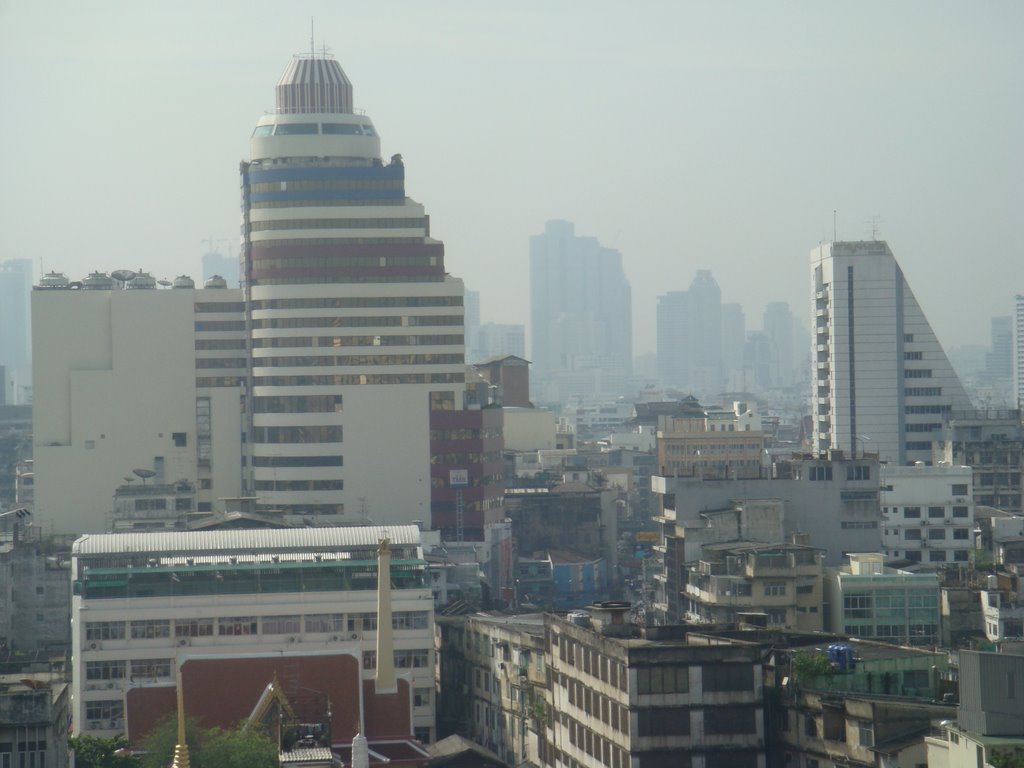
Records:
x=94, y=752
x=1013, y=759
x=807, y=666
x=210, y=748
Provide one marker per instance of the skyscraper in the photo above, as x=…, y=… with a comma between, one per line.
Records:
x=580, y=303
x=356, y=331
x=882, y=382
x=690, y=336
x=778, y=327
x=15, y=289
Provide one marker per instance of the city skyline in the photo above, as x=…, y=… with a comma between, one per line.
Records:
x=777, y=119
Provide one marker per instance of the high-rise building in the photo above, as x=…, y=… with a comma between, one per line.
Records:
x=734, y=334
x=778, y=327
x=690, y=336
x=1018, y=349
x=15, y=360
x=580, y=303
x=882, y=381
x=500, y=339
x=999, y=358
x=471, y=307
x=356, y=330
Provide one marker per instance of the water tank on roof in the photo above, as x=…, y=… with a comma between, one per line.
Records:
x=54, y=280
x=183, y=281
x=579, y=618
x=142, y=281
x=216, y=281
x=98, y=281
x=840, y=655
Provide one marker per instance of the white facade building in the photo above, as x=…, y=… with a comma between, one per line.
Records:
x=881, y=380
x=356, y=328
x=928, y=513
x=145, y=602
x=133, y=379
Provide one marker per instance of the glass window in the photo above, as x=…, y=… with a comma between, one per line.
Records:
x=291, y=129
x=263, y=130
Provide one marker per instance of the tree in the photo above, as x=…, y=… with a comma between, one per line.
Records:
x=209, y=748
x=1013, y=759
x=94, y=752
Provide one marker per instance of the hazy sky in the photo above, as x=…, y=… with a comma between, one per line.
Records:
x=716, y=135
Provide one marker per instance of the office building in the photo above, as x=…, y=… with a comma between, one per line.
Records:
x=881, y=377
x=500, y=339
x=356, y=328
x=580, y=304
x=778, y=327
x=15, y=331
x=237, y=605
x=129, y=378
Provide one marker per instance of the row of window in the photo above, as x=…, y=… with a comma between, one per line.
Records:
x=247, y=625
x=359, y=341
x=591, y=662
x=352, y=379
x=300, y=485
x=308, y=434
x=418, y=222
x=353, y=321
x=297, y=461
x=465, y=434
x=220, y=362
x=304, y=361
x=298, y=404
x=936, y=534
x=917, y=373
x=934, y=512
x=395, y=198
x=220, y=344
x=358, y=302
x=335, y=262
x=220, y=306
x=305, y=242
x=922, y=391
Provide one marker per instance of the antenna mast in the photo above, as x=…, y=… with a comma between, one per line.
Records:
x=312, y=45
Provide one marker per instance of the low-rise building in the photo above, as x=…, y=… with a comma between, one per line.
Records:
x=928, y=514
x=868, y=600
x=33, y=720
x=621, y=696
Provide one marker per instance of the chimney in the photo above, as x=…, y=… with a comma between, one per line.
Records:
x=385, y=677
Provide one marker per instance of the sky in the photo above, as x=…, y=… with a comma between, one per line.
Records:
x=688, y=135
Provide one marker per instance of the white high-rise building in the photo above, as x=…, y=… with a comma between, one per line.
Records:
x=356, y=329
x=15, y=360
x=881, y=380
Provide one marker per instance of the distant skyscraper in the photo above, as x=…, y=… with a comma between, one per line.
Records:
x=228, y=267
x=15, y=289
x=778, y=327
x=501, y=339
x=356, y=328
x=999, y=359
x=882, y=381
x=734, y=333
x=471, y=305
x=580, y=303
x=690, y=336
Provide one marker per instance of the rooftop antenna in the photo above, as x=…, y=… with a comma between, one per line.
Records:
x=834, y=225
x=312, y=45
x=873, y=222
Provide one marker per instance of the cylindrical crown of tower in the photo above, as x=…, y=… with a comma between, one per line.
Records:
x=314, y=84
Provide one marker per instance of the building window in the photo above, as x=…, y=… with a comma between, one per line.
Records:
x=152, y=629
x=818, y=473
x=180, y=439
x=858, y=472
x=104, y=630
x=104, y=670
x=865, y=733
x=421, y=697
x=911, y=512
x=912, y=534
x=723, y=720
x=937, y=534
x=664, y=721
x=937, y=556
x=146, y=669
x=857, y=606
x=960, y=556
x=237, y=625
x=959, y=489
x=935, y=512
x=281, y=625
x=774, y=589
x=727, y=677
x=961, y=533
x=193, y=627
x=959, y=511
x=663, y=679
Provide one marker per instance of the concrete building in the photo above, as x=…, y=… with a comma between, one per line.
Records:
x=777, y=325
x=146, y=602
x=580, y=304
x=134, y=379
x=510, y=376
x=988, y=723
x=928, y=514
x=492, y=682
x=621, y=696
x=15, y=331
x=356, y=327
x=713, y=443
x=992, y=444
x=879, y=372
x=780, y=581
x=868, y=600
x=834, y=499
x=33, y=720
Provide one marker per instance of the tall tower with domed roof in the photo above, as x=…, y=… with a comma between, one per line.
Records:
x=355, y=328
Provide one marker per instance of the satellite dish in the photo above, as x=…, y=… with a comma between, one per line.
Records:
x=164, y=283
x=129, y=479
x=144, y=474
x=124, y=275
